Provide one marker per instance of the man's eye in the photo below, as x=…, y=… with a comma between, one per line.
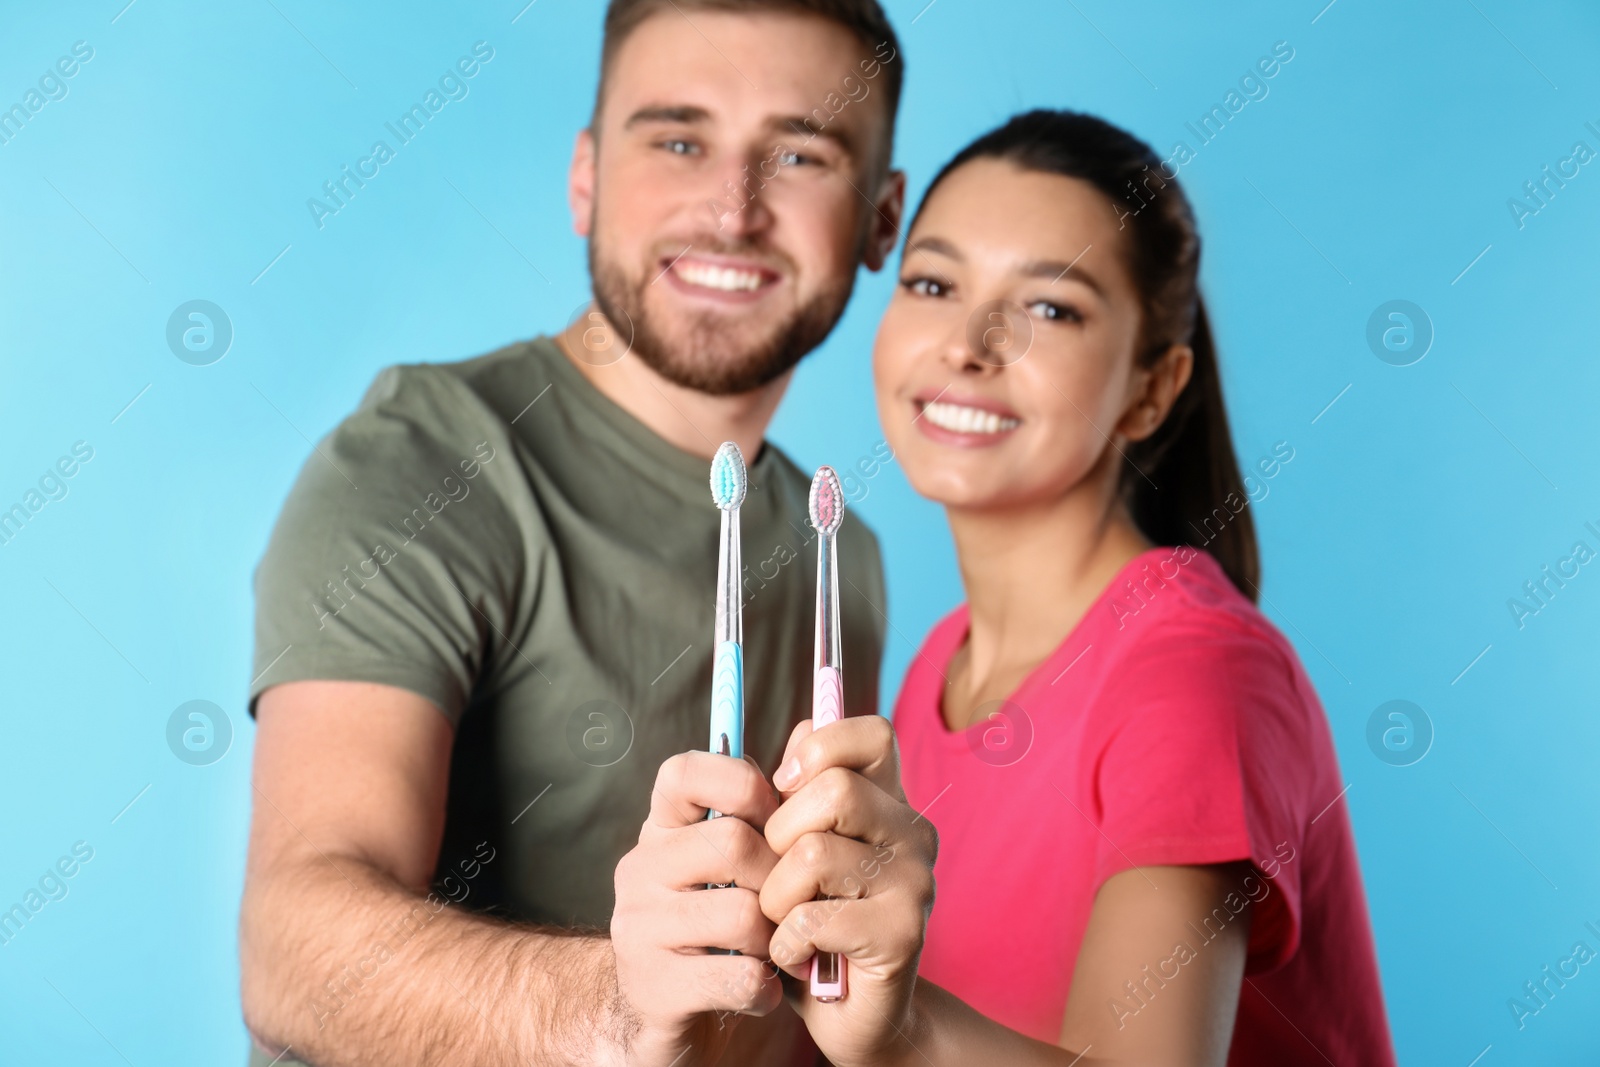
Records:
x=795, y=159
x=679, y=147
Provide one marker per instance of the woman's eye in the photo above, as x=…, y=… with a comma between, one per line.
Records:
x=925, y=286
x=1055, y=312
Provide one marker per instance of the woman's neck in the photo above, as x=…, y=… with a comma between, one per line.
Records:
x=1030, y=574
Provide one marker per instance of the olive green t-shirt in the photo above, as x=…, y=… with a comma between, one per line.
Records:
x=498, y=536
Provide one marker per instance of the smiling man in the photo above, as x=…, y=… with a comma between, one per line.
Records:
x=471, y=667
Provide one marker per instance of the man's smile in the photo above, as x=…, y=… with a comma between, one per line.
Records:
x=723, y=279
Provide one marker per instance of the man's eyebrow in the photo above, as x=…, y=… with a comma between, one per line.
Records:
x=676, y=113
x=800, y=126
x=688, y=114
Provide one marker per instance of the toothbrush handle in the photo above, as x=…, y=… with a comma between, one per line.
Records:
x=827, y=705
x=727, y=719
x=827, y=697
x=727, y=703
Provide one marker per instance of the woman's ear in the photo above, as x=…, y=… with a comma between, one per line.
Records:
x=1157, y=390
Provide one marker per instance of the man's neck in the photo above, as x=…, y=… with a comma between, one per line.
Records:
x=686, y=418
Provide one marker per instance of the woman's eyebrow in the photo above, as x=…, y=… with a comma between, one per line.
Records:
x=937, y=245
x=1052, y=269
x=1056, y=270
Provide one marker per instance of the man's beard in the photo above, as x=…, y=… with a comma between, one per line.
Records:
x=708, y=356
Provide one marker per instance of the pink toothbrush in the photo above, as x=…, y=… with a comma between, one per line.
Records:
x=827, y=697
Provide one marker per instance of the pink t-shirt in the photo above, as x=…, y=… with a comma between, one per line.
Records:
x=1174, y=725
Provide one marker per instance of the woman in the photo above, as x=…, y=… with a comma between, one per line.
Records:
x=1142, y=851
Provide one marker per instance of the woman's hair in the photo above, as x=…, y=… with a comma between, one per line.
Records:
x=1182, y=483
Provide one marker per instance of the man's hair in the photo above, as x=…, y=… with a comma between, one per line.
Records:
x=864, y=18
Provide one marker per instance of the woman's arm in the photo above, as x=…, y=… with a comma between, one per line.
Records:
x=1156, y=981
x=1157, y=976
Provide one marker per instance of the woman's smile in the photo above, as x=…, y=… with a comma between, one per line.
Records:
x=964, y=421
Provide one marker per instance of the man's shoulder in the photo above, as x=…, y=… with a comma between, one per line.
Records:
x=501, y=378
x=423, y=417
x=475, y=386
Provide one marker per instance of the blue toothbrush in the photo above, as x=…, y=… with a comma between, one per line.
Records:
x=729, y=481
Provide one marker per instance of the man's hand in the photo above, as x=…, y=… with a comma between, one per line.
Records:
x=846, y=832
x=679, y=996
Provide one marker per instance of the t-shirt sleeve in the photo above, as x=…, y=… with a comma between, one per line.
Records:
x=1200, y=768
x=390, y=559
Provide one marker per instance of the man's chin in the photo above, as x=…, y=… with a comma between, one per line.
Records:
x=720, y=364
x=721, y=352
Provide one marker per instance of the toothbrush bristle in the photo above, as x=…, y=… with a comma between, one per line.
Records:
x=728, y=478
x=827, y=501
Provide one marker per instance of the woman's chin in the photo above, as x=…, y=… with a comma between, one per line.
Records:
x=958, y=493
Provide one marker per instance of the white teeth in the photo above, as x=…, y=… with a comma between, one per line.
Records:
x=725, y=278
x=963, y=419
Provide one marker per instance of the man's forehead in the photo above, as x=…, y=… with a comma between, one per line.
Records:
x=759, y=67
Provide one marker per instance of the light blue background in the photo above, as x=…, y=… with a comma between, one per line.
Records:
x=1379, y=167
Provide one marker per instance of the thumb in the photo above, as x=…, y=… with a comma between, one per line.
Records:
x=801, y=731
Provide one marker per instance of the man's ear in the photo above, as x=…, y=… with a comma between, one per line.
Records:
x=1163, y=382
x=580, y=183
x=885, y=221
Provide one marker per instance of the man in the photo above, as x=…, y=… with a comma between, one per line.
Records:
x=485, y=614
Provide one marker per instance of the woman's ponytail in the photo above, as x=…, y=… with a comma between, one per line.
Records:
x=1186, y=487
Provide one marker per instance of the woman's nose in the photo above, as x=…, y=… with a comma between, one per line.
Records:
x=994, y=335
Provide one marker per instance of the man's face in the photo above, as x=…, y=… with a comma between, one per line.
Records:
x=724, y=241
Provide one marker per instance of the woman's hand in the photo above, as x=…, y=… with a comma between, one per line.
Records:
x=845, y=832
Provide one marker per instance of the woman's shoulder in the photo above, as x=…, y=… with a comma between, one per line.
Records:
x=1177, y=627
x=1200, y=685
x=1180, y=594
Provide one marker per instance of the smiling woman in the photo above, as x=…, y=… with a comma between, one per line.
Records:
x=1110, y=655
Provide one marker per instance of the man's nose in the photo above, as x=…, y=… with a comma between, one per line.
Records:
x=739, y=200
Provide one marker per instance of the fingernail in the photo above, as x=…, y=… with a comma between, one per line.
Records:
x=787, y=775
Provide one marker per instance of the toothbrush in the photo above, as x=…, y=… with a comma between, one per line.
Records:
x=827, y=694
x=729, y=481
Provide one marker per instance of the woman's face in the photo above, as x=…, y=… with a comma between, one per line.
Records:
x=1004, y=364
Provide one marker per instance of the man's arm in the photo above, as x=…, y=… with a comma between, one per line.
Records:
x=344, y=957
